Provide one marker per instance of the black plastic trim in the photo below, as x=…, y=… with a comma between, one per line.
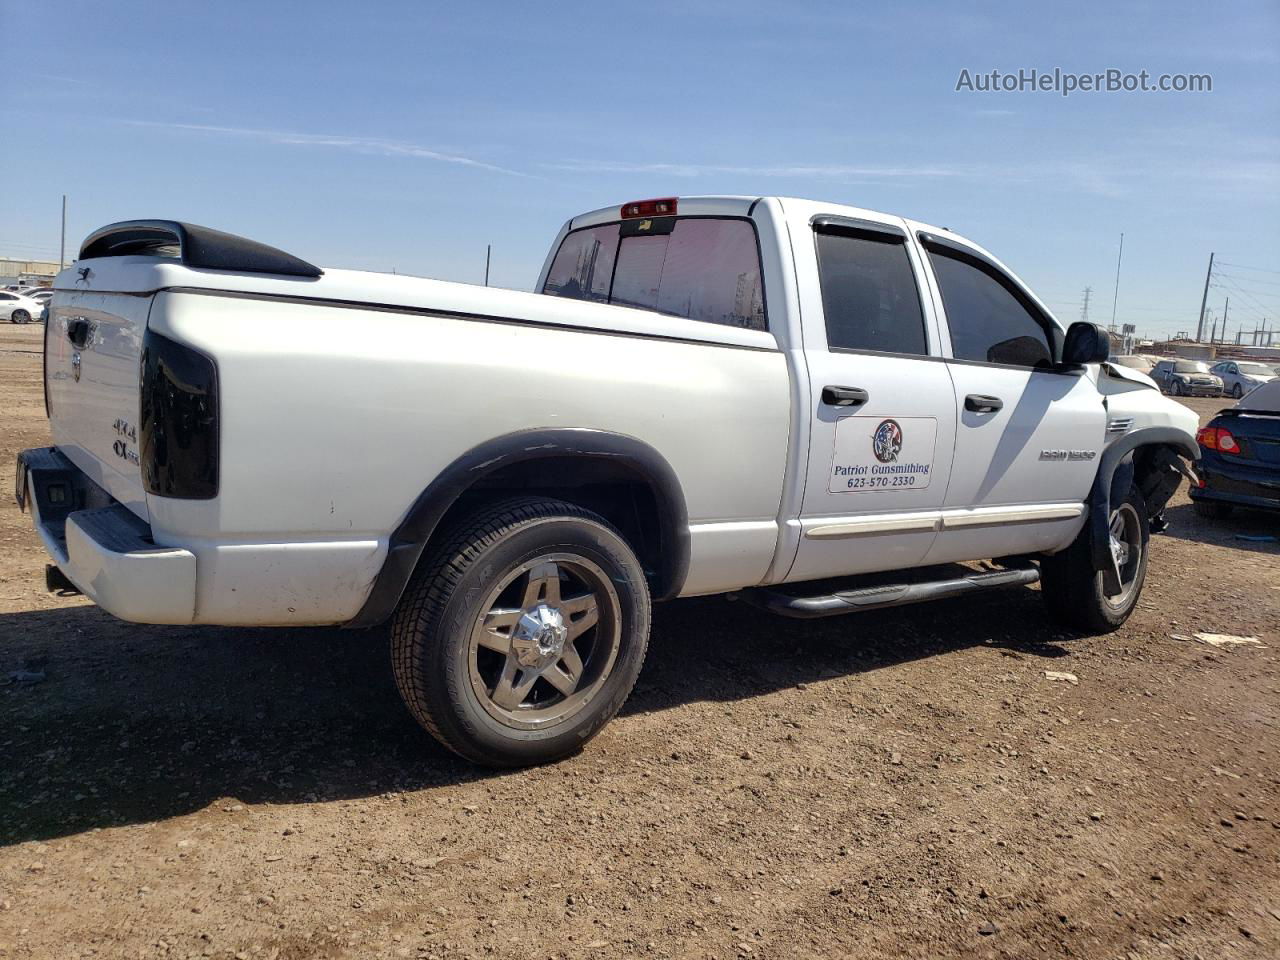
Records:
x=410, y=538
x=194, y=246
x=855, y=226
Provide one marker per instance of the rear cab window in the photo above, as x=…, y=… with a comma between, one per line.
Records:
x=702, y=268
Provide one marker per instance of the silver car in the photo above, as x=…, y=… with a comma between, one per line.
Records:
x=1241, y=376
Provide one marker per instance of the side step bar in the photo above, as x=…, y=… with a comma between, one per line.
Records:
x=891, y=595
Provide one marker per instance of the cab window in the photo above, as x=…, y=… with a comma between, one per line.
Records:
x=869, y=295
x=583, y=267
x=989, y=318
x=702, y=268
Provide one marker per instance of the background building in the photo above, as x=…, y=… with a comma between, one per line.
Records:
x=28, y=272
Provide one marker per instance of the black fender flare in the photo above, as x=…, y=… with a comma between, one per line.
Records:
x=410, y=538
x=1115, y=474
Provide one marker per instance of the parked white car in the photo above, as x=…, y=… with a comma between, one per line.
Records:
x=19, y=308
x=707, y=395
x=1240, y=376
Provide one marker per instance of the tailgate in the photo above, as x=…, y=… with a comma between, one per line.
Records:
x=93, y=346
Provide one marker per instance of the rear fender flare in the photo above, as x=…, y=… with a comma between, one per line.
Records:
x=410, y=538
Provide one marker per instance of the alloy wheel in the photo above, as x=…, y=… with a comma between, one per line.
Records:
x=546, y=641
x=1125, y=532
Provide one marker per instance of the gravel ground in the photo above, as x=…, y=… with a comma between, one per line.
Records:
x=906, y=783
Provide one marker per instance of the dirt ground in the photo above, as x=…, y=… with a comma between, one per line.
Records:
x=905, y=783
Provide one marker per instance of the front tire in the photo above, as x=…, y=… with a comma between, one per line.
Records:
x=1072, y=587
x=1237, y=391
x=523, y=633
x=1175, y=389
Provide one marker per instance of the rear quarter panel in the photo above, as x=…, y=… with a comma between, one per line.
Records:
x=334, y=419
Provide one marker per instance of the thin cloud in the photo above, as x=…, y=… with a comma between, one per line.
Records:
x=367, y=145
x=820, y=172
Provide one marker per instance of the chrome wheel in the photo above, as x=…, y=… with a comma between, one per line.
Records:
x=20, y=316
x=1126, y=547
x=546, y=641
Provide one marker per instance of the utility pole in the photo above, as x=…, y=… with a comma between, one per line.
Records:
x=1116, y=298
x=1225, y=307
x=1204, y=299
x=62, y=248
x=488, y=249
x=1213, y=333
x=1084, y=312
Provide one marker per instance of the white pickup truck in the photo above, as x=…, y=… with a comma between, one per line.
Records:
x=706, y=395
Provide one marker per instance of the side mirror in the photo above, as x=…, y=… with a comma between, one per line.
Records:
x=1085, y=343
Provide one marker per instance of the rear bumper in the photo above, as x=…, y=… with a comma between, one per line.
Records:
x=103, y=548
x=1240, y=484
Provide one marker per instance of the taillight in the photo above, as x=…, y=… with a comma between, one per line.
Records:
x=1218, y=438
x=666, y=207
x=178, y=414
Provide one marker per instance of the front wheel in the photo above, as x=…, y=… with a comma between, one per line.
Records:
x=1237, y=391
x=1175, y=389
x=523, y=633
x=1074, y=590
x=20, y=316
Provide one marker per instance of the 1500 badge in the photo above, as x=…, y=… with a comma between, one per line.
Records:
x=1068, y=454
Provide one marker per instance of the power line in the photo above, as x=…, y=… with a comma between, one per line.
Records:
x=1270, y=283
x=1241, y=266
x=1247, y=296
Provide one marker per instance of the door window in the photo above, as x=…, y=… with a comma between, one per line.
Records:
x=869, y=294
x=988, y=317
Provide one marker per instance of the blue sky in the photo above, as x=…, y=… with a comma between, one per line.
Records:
x=406, y=136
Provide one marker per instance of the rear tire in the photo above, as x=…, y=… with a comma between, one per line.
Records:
x=1212, y=509
x=1072, y=587
x=523, y=632
x=20, y=316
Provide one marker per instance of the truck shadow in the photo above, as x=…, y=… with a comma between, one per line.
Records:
x=135, y=724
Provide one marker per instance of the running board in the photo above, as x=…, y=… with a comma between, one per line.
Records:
x=892, y=595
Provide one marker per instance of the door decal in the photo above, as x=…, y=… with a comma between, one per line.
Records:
x=882, y=453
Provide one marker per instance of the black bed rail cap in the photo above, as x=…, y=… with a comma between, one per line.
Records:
x=195, y=246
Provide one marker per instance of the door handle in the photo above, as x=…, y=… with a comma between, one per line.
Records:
x=978, y=403
x=844, y=396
